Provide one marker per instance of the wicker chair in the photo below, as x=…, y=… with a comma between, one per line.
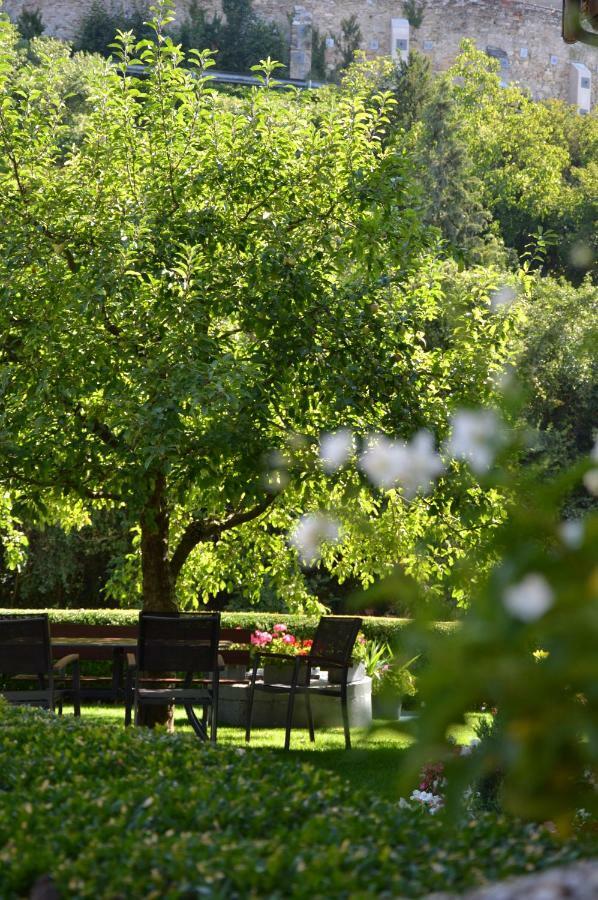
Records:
x=331, y=649
x=26, y=653
x=170, y=644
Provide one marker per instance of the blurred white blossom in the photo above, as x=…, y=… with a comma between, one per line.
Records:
x=502, y=297
x=310, y=532
x=336, y=449
x=571, y=532
x=475, y=436
x=530, y=598
x=413, y=466
x=467, y=749
x=590, y=479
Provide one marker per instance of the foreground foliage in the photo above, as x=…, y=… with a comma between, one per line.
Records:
x=112, y=813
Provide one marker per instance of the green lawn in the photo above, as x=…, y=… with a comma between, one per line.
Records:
x=371, y=765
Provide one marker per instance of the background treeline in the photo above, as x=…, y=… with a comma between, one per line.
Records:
x=240, y=36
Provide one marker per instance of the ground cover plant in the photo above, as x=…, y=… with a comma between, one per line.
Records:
x=111, y=812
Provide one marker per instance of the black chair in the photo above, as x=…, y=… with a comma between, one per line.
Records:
x=171, y=643
x=331, y=649
x=26, y=652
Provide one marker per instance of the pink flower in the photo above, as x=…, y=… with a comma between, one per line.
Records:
x=279, y=628
x=289, y=639
x=260, y=638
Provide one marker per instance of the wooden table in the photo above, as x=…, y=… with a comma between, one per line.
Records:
x=102, y=648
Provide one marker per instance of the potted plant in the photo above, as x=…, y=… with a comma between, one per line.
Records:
x=392, y=683
x=280, y=640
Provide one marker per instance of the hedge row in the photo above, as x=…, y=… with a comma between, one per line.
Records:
x=374, y=627
x=112, y=813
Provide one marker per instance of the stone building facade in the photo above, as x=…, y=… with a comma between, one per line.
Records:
x=524, y=35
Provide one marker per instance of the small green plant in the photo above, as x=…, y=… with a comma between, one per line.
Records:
x=396, y=679
x=30, y=24
x=318, y=55
x=375, y=656
x=414, y=12
x=351, y=38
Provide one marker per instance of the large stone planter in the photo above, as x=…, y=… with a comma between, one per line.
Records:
x=355, y=673
x=270, y=710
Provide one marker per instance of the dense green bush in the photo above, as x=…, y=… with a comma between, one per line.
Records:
x=376, y=628
x=114, y=813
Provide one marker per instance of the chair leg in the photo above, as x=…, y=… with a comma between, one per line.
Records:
x=214, y=714
x=290, y=708
x=310, y=718
x=250, y=704
x=345, y=712
x=76, y=689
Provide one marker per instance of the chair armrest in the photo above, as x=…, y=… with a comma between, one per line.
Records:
x=61, y=664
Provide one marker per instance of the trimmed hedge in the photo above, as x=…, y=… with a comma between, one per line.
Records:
x=374, y=627
x=113, y=813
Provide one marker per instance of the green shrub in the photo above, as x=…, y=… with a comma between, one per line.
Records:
x=374, y=628
x=115, y=813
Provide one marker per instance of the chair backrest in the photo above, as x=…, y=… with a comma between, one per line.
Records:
x=179, y=642
x=335, y=638
x=25, y=645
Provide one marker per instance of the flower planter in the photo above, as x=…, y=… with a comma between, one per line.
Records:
x=234, y=673
x=355, y=673
x=386, y=707
x=282, y=673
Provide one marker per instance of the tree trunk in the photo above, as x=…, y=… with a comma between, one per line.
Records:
x=158, y=587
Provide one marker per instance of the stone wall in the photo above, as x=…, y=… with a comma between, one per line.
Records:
x=524, y=34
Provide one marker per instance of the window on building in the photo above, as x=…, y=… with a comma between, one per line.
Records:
x=401, y=44
x=585, y=83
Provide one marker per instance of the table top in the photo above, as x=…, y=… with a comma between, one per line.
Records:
x=116, y=643
x=96, y=642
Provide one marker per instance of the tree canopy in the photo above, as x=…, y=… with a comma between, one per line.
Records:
x=190, y=282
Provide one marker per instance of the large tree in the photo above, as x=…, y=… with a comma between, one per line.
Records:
x=176, y=278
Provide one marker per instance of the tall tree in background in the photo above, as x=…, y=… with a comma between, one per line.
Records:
x=175, y=285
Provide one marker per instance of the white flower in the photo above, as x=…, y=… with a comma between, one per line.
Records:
x=571, y=532
x=590, y=479
x=336, y=449
x=413, y=466
x=421, y=464
x=475, y=437
x=310, y=532
x=529, y=599
x=404, y=804
x=426, y=799
x=382, y=460
x=502, y=297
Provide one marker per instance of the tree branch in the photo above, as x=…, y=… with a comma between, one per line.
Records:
x=199, y=531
